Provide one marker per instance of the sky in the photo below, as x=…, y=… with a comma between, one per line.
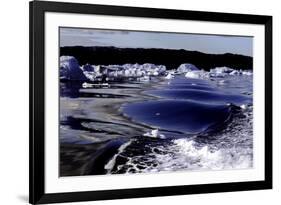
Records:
x=215, y=44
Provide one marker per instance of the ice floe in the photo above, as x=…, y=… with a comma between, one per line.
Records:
x=218, y=72
x=196, y=74
x=70, y=70
x=186, y=67
x=169, y=76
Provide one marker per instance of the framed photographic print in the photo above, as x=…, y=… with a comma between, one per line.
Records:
x=140, y=102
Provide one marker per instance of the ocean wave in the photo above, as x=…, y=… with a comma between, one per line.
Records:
x=231, y=148
x=110, y=164
x=215, y=97
x=185, y=124
x=179, y=115
x=184, y=154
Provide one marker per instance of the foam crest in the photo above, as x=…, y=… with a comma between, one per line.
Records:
x=111, y=163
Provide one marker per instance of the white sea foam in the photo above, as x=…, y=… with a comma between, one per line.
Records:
x=244, y=106
x=184, y=154
x=110, y=164
x=154, y=133
x=228, y=149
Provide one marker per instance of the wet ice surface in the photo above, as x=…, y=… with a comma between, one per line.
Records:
x=162, y=125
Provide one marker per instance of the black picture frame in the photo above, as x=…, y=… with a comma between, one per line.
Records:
x=37, y=194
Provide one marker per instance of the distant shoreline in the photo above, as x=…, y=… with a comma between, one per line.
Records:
x=171, y=58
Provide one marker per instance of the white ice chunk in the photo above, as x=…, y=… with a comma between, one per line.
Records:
x=196, y=74
x=128, y=71
x=186, y=67
x=144, y=79
x=234, y=72
x=225, y=71
x=169, y=76
x=247, y=73
x=221, y=70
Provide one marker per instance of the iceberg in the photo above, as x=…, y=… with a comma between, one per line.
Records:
x=70, y=69
x=186, y=67
x=126, y=71
x=220, y=71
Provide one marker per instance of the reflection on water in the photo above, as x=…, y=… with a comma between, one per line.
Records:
x=70, y=89
x=163, y=125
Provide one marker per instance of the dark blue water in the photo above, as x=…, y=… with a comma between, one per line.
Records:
x=206, y=96
x=177, y=124
x=179, y=115
x=187, y=105
x=214, y=117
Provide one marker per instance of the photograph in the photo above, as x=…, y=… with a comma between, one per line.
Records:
x=134, y=102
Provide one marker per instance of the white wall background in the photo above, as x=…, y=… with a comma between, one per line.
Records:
x=14, y=44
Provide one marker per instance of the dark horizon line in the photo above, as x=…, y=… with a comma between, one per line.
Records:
x=174, y=49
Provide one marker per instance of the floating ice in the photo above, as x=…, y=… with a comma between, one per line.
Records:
x=169, y=76
x=221, y=82
x=90, y=85
x=221, y=70
x=186, y=67
x=235, y=72
x=218, y=72
x=126, y=71
x=70, y=69
x=247, y=73
x=144, y=79
x=195, y=74
x=224, y=71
